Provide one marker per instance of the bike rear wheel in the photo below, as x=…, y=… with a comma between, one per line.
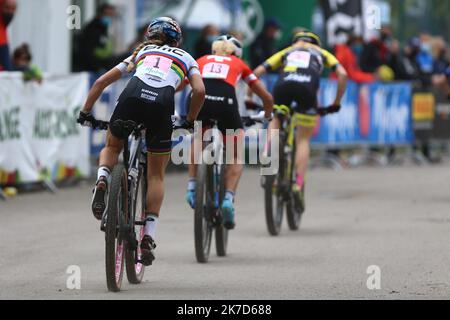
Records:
x=114, y=244
x=203, y=226
x=136, y=270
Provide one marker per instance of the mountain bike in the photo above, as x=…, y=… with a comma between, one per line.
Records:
x=279, y=195
x=123, y=221
x=210, y=192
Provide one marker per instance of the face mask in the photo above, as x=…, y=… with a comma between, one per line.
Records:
x=357, y=49
x=426, y=47
x=107, y=21
x=7, y=18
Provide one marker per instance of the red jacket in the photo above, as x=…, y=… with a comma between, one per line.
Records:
x=349, y=61
x=3, y=34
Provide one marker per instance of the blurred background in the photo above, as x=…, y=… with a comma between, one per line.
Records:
x=43, y=24
x=396, y=53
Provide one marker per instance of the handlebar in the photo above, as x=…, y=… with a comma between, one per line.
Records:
x=100, y=125
x=247, y=120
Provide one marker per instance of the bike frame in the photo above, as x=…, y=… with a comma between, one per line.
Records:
x=133, y=158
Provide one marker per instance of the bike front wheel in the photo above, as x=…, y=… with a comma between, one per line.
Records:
x=221, y=232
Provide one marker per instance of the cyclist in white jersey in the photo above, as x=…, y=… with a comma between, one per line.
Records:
x=160, y=67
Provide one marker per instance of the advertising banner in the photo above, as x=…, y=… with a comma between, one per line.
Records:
x=342, y=17
x=39, y=137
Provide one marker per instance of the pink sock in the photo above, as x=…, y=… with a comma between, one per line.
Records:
x=300, y=181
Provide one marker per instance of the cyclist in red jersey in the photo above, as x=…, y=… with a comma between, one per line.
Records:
x=221, y=72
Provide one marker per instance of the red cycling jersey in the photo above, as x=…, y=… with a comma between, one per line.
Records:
x=3, y=33
x=229, y=69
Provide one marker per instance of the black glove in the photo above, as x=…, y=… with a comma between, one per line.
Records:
x=87, y=120
x=184, y=124
x=335, y=108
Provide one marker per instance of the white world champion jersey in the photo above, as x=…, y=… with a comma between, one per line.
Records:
x=162, y=66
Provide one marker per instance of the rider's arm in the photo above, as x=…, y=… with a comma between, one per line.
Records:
x=267, y=99
x=333, y=63
x=198, y=96
x=342, y=84
x=103, y=82
x=274, y=63
x=97, y=89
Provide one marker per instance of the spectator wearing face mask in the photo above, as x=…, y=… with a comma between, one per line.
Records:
x=7, y=10
x=203, y=45
x=348, y=55
x=94, y=45
x=264, y=45
x=22, y=59
x=425, y=60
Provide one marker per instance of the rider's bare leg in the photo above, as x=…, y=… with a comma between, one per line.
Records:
x=157, y=165
x=304, y=135
x=156, y=170
x=109, y=155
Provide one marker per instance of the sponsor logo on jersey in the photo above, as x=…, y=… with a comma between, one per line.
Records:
x=298, y=77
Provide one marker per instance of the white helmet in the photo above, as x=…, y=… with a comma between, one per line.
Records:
x=228, y=45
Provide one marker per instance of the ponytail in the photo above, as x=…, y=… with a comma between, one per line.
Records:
x=132, y=64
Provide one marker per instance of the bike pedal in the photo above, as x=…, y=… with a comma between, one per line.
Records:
x=143, y=263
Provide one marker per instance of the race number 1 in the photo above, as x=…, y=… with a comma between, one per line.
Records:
x=157, y=66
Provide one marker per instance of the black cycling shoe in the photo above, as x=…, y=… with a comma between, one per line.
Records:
x=299, y=199
x=148, y=247
x=98, y=200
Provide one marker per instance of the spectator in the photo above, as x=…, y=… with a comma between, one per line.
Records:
x=203, y=46
x=7, y=10
x=264, y=45
x=348, y=55
x=377, y=52
x=237, y=34
x=404, y=63
x=22, y=62
x=424, y=59
x=441, y=65
x=95, y=47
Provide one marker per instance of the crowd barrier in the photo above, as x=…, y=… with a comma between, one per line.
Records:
x=375, y=114
x=39, y=139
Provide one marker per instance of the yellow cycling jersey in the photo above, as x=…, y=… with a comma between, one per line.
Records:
x=302, y=56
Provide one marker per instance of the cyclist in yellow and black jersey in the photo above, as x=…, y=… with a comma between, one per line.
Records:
x=296, y=90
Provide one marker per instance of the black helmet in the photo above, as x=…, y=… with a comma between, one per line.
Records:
x=307, y=36
x=165, y=29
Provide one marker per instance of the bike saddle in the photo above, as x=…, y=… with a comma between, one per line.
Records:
x=123, y=129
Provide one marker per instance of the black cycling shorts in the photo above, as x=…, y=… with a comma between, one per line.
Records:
x=298, y=91
x=152, y=107
x=220, y=104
